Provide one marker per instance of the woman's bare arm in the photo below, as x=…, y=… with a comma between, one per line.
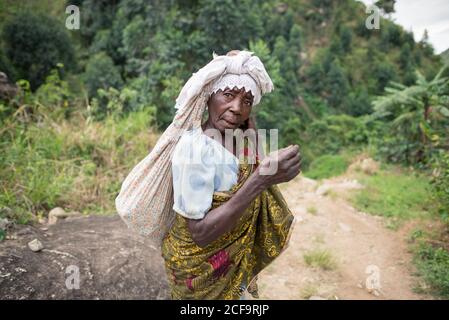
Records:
x=223, y=218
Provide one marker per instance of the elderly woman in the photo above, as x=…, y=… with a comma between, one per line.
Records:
x=231, y=220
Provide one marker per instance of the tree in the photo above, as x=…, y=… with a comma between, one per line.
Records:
x=337, y=85
x=228, y=24
x=407, y=65
x=387, y=6
x=34, y=45
x=346, y=39
x=383, y=73
x=425, y=44
x=413, y=113
x=101, y=73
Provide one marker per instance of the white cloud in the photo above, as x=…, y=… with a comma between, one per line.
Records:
x=419, y=15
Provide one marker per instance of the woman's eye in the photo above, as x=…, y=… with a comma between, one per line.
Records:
x=227, y=94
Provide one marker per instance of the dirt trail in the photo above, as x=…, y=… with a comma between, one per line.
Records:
x=363, y=248
x=115, y=264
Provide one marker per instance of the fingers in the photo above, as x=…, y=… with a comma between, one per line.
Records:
x=293, y=161
x=296, y=168
x=287, y=155
x=290, y=151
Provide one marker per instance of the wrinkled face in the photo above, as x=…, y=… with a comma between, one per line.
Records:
x=229, y=109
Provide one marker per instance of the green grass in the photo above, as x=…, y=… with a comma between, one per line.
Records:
x=395, y=194
x=432, y=263
x=327, y=166
x=308, y=291
x=76, y=164
x=320, y=258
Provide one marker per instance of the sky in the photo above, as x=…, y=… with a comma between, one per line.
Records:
x=418, y=15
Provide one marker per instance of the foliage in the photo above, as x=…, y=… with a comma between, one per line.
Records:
x=327, y=166
x=396, y=194
x=77, y=164
x=101, y=74
x=34, y=45
x=54, y=93
x=433, y=264
x=333, y=133
x=440, y=185
x=417, y=117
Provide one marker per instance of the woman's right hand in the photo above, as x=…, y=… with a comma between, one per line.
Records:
x=288, y=161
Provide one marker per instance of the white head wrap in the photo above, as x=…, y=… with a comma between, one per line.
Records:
x=240, y=81
x=145, y=200
x=241, y=70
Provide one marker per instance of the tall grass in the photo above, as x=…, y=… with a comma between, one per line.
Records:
x=78, y=164
x=432, y=263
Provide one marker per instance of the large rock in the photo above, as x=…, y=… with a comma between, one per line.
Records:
x=112, y=261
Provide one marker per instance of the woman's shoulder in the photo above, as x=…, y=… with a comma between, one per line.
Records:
x=192, y=138
x=192, y=143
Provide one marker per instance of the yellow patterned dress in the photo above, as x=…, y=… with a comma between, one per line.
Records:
x=230, y=264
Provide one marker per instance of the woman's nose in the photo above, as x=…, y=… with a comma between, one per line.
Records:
x=236, y=106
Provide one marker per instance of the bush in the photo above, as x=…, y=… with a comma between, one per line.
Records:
x=335, y=132
x=118, y=103
x=34, y=45
x=433, y=264
x=440, y=185
x=101, y=73
x=54, y=93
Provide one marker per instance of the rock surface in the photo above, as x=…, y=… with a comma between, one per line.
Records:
x=112, y=262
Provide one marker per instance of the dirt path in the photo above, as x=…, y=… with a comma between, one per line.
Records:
x=115, y=264
x=363, y=248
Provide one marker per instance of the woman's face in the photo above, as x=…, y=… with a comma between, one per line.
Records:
x=229, y=109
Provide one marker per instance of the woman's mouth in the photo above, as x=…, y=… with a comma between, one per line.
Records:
x=230, y=124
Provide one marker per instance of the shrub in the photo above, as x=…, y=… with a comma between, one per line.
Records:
x=101, y=73
x=35, y=44
x=433, y=264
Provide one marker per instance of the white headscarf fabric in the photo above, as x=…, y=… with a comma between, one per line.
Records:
x=242, y=70
x=145, y=200
x=240, y=81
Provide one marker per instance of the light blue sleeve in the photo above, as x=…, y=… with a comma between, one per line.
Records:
x=193, y=176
